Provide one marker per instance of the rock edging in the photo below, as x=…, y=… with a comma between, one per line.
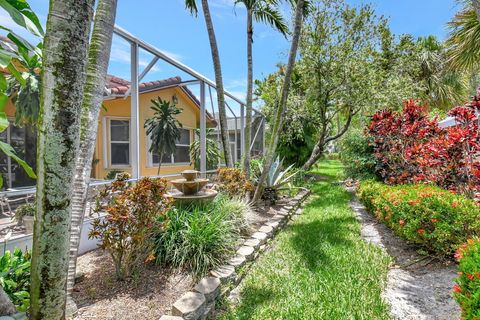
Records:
x=200, y=302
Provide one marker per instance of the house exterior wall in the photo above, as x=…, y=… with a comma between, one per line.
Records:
x=120, y=109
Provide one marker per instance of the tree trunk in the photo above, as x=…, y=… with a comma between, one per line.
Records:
x=316, y=154
x=98, y=58
x=248, y=118
x=64, y=61
x=282, y=105
x=222, y=113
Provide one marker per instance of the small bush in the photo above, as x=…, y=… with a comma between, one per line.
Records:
x=15, y=277
x=233, y=182
x=467, y=289
x=357, y=156
x=200, y=237
x=134, y=214
x=436, y=219
x=27, y=209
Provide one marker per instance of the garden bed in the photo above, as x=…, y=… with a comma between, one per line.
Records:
x=151, y=292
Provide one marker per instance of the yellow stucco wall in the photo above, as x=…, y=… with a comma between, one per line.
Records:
x=120, y=108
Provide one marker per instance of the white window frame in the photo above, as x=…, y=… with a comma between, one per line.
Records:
x=150, y=162
x=108, y=144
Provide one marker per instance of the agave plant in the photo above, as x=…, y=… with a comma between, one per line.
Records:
x=276, y=178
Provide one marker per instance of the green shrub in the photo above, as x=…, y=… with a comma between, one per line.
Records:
x=357, y=156
x=201, y=237
x=15, y=277
x=436, y=219
x=27, y=209
x=467, y=289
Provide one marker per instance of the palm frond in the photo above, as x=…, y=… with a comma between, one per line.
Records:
x=269, y=14
x=464, y=40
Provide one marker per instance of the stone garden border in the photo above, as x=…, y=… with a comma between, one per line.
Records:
x=199, y=303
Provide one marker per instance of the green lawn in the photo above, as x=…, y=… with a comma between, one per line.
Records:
x=318, y=267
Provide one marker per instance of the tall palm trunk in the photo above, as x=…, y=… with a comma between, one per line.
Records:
x=219, y=81
x=282, y=104
x=63, y=79
x=248, y=118
x=98, y=58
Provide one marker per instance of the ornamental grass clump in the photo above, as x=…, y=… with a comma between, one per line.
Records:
x=467, y=287
x=135, y=212
x=434, y=218
x=200, y=237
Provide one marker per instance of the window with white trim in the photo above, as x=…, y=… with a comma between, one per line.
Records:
x=119, y=142
x=182, y=152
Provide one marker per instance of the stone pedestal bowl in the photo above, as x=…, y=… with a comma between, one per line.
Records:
x=189, y=187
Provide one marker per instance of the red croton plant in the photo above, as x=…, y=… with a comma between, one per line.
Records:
x=410, y=147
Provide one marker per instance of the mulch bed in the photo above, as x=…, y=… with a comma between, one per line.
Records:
x=149, y=294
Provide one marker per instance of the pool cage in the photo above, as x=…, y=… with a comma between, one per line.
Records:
x=206, y=89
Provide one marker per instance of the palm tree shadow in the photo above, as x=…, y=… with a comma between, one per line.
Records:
x=253, y=298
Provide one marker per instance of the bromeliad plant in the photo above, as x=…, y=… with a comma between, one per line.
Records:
x=276, y=179
x=134, y=214
x=467, y=289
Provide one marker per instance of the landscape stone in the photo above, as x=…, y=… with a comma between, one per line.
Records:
x=237, y=261
x=209, y=287
x=266, y=229
x=246, y=251
x=190, y=306
x=260, y=236
x=166, y=317
x=252, y=242
x=275, y=224
x=225, y=273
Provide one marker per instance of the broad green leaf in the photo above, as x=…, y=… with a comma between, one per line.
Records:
x=22, y=15
x=5, y=58
x=3, y=101
x=3, y=121
x=9, y=151
x=18, y=76
x=3, y=83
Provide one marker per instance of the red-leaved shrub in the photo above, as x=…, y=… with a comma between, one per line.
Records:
x=410, y=147
x=467, y=289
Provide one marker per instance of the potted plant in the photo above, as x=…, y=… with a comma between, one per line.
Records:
x=25, y=214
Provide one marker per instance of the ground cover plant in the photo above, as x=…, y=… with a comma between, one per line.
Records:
x=200, y=237
x=436, y=219
x=318, y=267
x=467, y=289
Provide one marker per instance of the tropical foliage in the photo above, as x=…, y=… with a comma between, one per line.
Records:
x=212, y=152
x=15, y=277
x=233, y=182
x=163, y=128
x=277, y=178
x=134, y=214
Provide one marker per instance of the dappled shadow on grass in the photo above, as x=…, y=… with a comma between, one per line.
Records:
x=253, y=297
x=311, y=239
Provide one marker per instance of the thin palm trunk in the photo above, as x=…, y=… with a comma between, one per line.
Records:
x=159, y=162
x=282, y=105
x=63, y=80
x=248, y=118
x=99, y=54
x=219, y=82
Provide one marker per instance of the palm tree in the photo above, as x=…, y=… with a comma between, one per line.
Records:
x=464, y=38
x=192, y=6
x=278, y=119
x=163, y=128
x=98, y=58
x=443, y=86
x=63, y=78
x=261, y=11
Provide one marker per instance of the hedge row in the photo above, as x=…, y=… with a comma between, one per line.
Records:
x=436, y=219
